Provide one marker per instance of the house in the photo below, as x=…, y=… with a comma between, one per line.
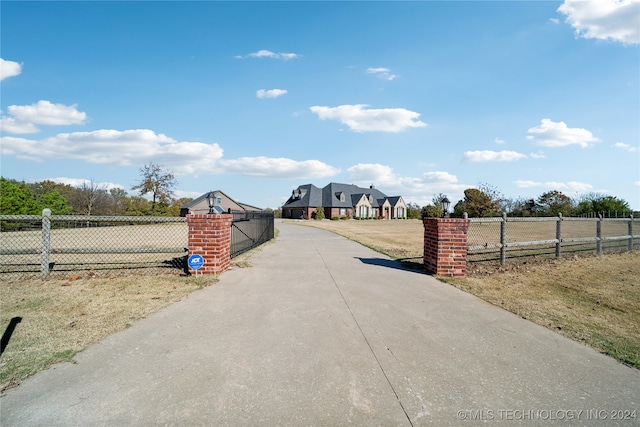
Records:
x=222, y=203
x=343, y=200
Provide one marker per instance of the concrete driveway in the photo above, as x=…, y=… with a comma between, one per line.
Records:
x=322, y=331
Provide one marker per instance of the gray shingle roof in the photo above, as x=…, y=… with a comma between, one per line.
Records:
x=310, y=195
x=329, y=196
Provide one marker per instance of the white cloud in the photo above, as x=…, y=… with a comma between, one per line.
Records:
x=9, y=69
x=126, y=148
x=361, y=119
x=383, y=73
x=11, y=125
x=493, y=156
x=527, y=184
x=413, y=189
x=268, y=54
x=47, y=113
x=537, y=155
x=139, y=146
x=615, y=20
x=78, y=182
x=270, y=93
x=25, y=117
x=626, y=147
x=553, y=185
x=552, y=134
x=277, y=167
x=637, y=183
x=499, y=141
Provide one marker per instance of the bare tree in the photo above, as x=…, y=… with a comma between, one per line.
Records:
x=158, y=181
x=89, y=198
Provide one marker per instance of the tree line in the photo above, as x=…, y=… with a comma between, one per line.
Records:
x=487, y=201
x=89, y=198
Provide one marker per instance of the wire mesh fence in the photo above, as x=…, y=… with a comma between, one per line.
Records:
x=504, y=238
x=33, y=245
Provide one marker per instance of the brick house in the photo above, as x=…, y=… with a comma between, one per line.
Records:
x=343, y=200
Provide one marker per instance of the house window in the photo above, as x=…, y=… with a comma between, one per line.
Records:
x=343, y=211
x=218, y=200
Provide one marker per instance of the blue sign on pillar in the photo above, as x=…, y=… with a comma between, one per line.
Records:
x=195, y=261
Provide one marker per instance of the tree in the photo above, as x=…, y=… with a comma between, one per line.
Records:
x=38, y=189
x=413, y=210
x=555, y=202
x=117, y=201
x=521, y=207
x=599, y=203
x=16, y=198
x=55, y=202
x=431, y=211
x=90, y=198
x=319, y=212
x=476, y=203
x=138, y=206
x=157, y=181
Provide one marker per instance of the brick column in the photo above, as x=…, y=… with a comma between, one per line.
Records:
x=210, y=236
x=445, y=246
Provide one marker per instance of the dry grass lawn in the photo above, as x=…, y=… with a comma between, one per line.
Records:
x=592, y=299
x=61, y=316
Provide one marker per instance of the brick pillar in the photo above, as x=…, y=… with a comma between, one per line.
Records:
x=210, y=236
x=445, y=246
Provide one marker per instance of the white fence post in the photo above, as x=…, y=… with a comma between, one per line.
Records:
x=46, y=242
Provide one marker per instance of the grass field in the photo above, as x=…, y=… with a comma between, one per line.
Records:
x=60, y=316
x=592, y=299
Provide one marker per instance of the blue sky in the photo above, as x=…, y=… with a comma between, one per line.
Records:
x=256, y=98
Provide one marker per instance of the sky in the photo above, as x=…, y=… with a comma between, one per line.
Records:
x=416, y=98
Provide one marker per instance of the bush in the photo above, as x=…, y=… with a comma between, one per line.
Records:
x=334, y=218
x=319, y=212
x=431, y=211
x=343, y=217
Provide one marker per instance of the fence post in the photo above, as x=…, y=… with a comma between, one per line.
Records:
x=46, y=242
x=503, y=239
x=559, y=235
x=599, y=235
x=630, y=241
x=445, y=246
x=210, y=236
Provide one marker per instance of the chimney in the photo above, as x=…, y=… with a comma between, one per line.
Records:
x=372, y=187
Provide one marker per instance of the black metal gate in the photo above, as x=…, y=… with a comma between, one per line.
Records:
x=249, y=230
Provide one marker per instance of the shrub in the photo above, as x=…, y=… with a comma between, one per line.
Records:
x=319, y=212
x=334, y=218
x=431, y=211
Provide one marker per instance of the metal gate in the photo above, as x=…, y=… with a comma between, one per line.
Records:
x=249, y=230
